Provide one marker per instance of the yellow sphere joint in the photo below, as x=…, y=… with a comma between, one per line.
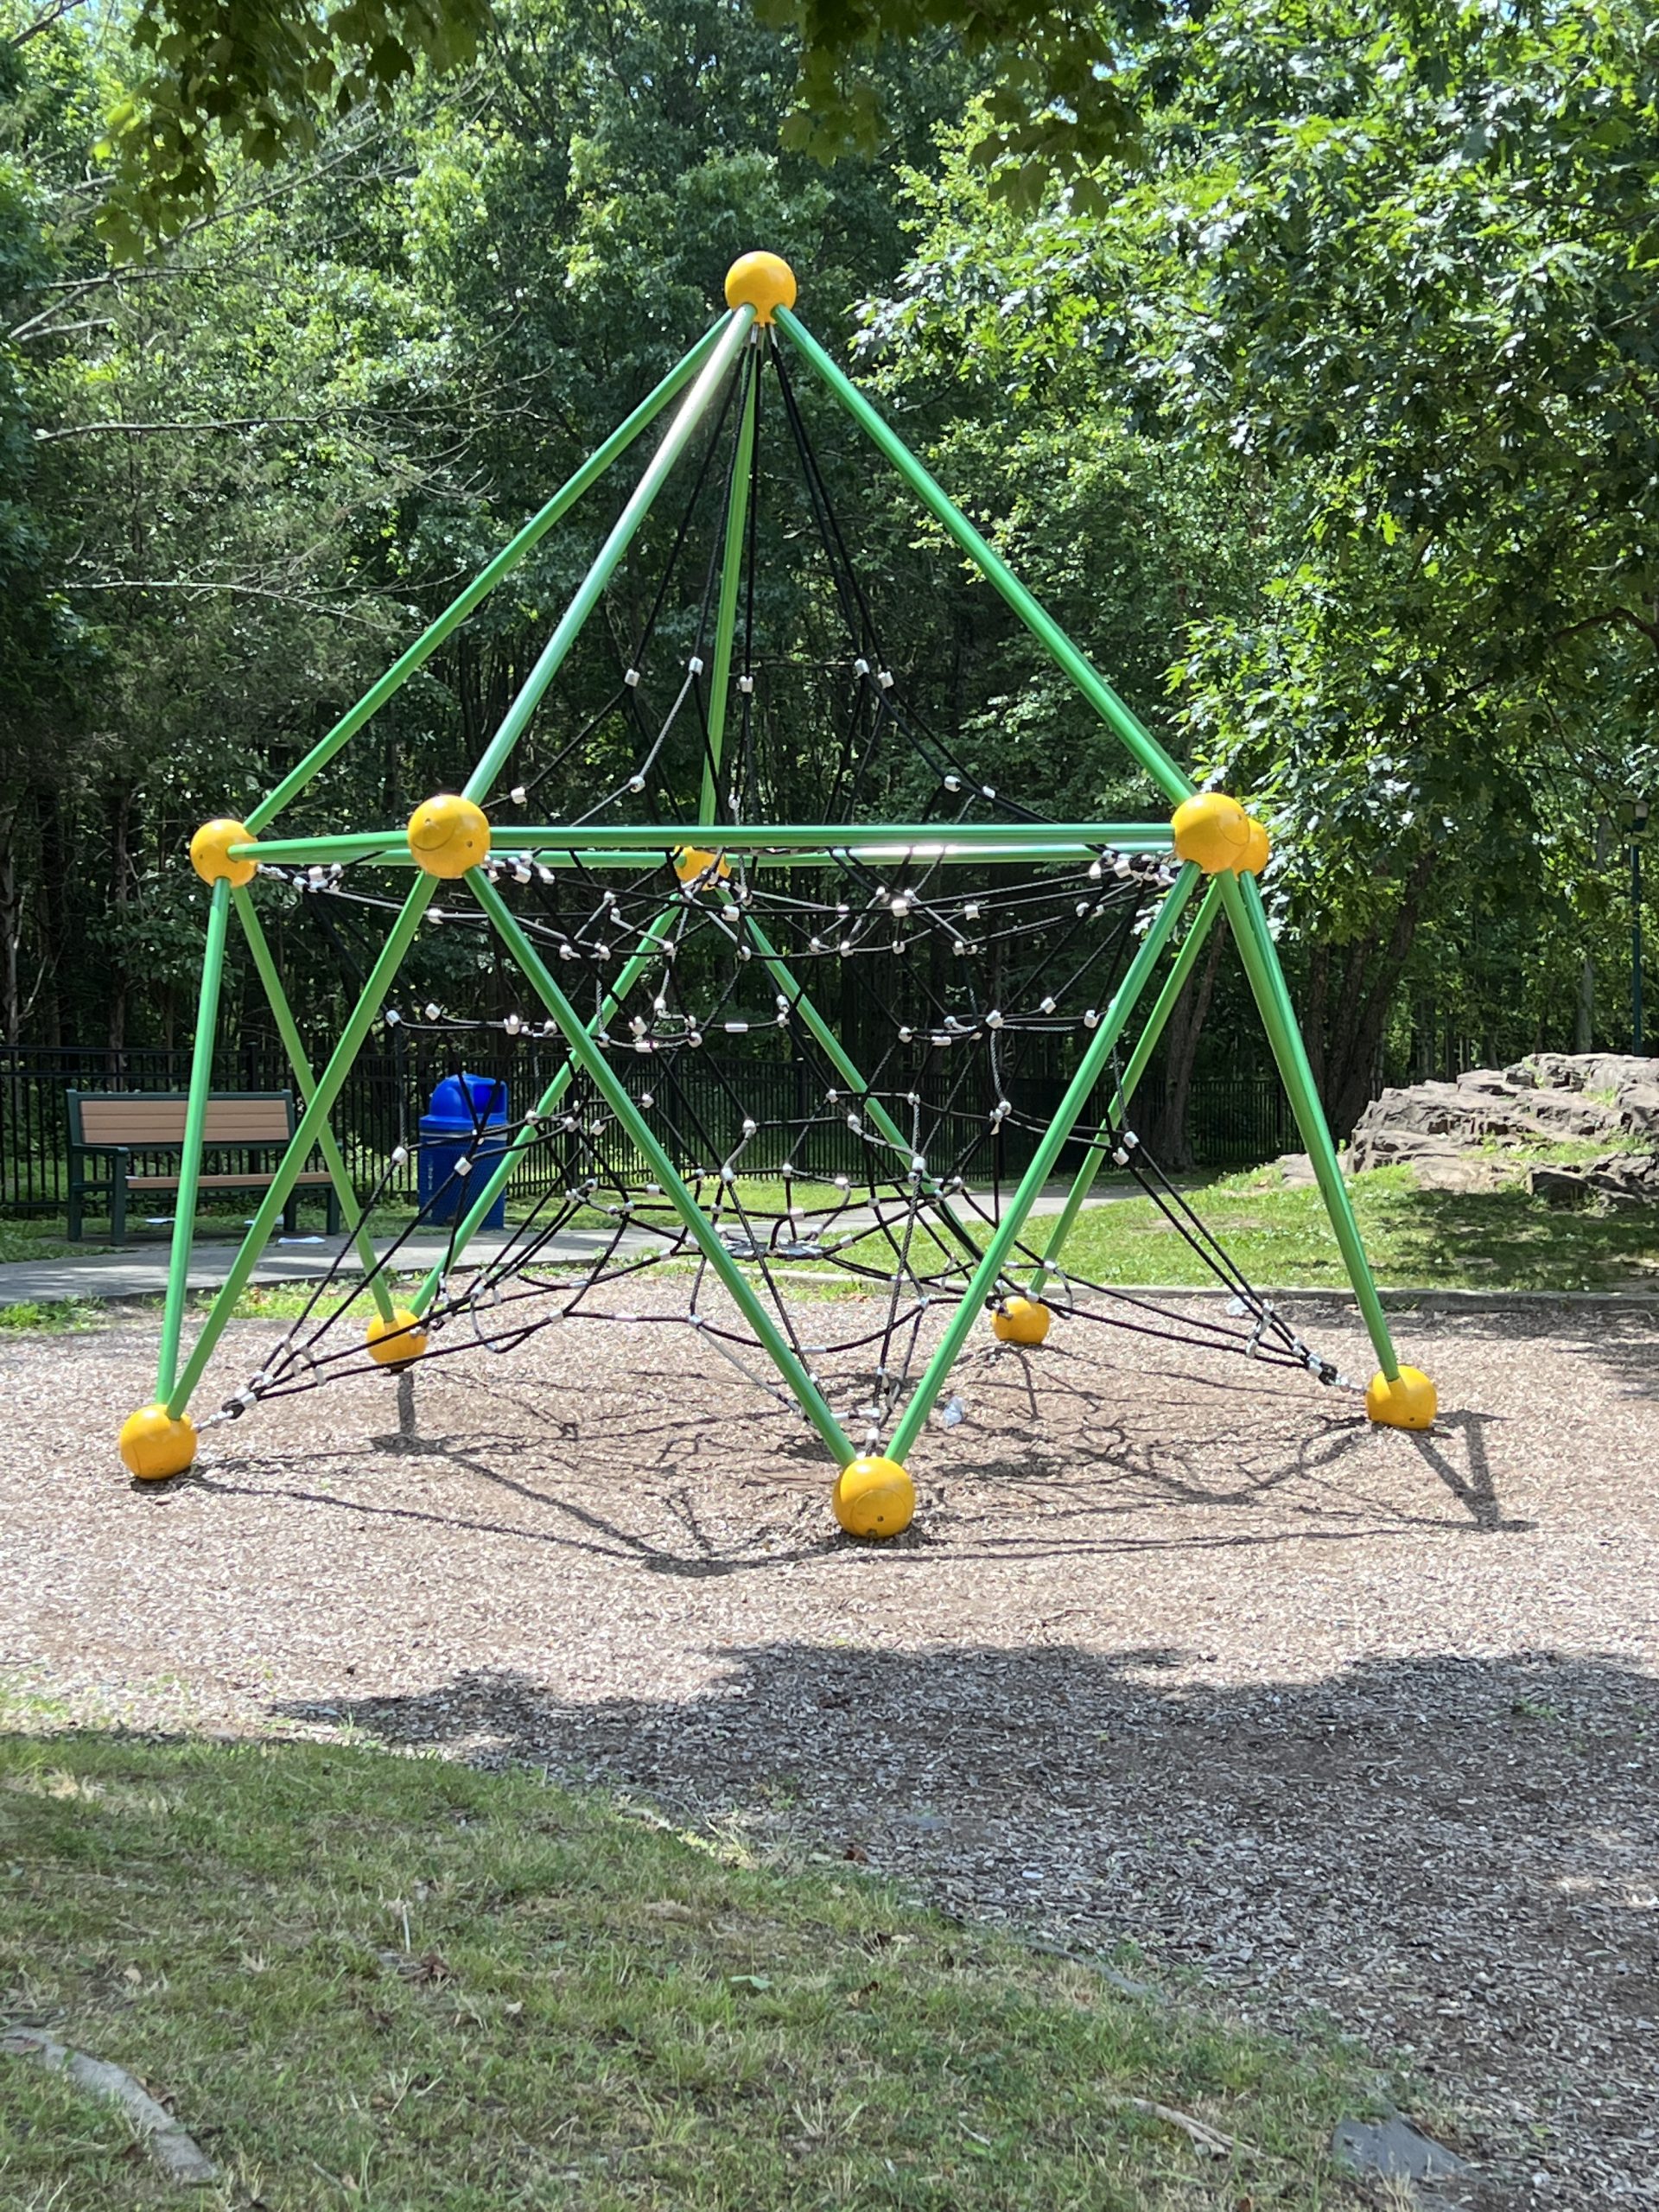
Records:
x=763, y=282
x=395, y=1339
x=1255, y=851
x=1020, y=1321
x=874, y=1498
x=1214, y=833
x=153, y=1446
x=1409, y=1401
x=448, y=834
x=210, y=853
x=692, y=864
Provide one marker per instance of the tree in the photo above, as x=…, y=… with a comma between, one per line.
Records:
x=1390, y=283
x=218, y=82
x=259, y=463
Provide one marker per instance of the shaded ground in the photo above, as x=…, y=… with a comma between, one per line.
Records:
x=1183, y=1659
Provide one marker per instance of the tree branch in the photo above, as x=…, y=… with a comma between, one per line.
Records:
x=1649, y=630
x=205, y=585
x=152, y=429
x=44, y=22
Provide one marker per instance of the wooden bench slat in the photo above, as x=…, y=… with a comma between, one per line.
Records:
x=139, y=1121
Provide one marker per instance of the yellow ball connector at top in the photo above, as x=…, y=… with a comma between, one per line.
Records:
x=763, y=282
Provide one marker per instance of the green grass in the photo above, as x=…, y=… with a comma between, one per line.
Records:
x=1485, y=1240
x=1482, y=1240
x=401, y=1984
x=29, y=1240
x=66, y=1315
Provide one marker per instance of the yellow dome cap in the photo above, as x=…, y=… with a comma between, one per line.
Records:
x=763, y=282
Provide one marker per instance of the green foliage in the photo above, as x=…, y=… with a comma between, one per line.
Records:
x=1315, y=398
x=222, y=78
x=1057, y=106
x=282, y=449
x=1381, y=299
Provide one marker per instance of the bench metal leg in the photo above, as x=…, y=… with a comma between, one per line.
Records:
x=118, y=1204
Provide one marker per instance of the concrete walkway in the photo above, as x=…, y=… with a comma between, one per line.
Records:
x=140, y=1270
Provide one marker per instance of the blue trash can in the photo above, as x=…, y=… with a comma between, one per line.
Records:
x=466, y=1119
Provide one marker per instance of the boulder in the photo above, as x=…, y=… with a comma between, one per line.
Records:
x=1560, y=1187
x=1546, y=1096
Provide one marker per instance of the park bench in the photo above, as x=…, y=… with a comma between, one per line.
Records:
x=109, y=1131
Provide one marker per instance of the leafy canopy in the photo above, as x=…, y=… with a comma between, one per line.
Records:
x=257, y=78
x=1057, y=107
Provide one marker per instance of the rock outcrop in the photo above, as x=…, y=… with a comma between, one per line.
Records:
x=1453, y=1135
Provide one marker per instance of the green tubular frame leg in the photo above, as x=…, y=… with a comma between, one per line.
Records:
x=1163, y=1007
x=633, y=969
x=609, y=1085
x=1006, y=1232
x=312, y=1124
x=731, y=573
x=195, y=1117
x=333, y=1158
x=676, y=438
x=1260, y=958
x=485, y=582
x=1172, y=780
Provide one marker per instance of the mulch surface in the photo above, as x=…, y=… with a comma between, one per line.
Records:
x=1182, y=1660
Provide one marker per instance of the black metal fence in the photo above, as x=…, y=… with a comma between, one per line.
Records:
x=701, y=1102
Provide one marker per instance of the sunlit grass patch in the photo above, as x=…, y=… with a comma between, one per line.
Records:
x=368, y=1979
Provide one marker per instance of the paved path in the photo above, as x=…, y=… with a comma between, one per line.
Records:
x=140, y=1270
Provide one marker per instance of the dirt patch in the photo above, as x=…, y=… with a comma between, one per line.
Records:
x=1181, y=1654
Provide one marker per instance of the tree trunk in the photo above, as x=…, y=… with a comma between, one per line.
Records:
x=11, y=923
x=1165, y=1131
x=1318, y=984
x=119, y=891
x=1584, y=1011
x=1353, y=1054
x=53, y=910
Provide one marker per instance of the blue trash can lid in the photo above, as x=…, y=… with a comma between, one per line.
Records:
x=464, y=1102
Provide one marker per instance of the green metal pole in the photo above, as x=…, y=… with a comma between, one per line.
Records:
x=333, y=1158
x=195, y=1117
x=313, y=1122
x=1175, y=983
x=608, y=1084
x=1006, y=1232
x=1170, y=778
x=893, y=841
x=898, y=842
x=485, y=582
x=710, y=377
x=831, y=1046
x=731, y=573
x=1260, y=958
x=633, y=969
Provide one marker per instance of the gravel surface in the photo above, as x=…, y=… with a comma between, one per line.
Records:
x=1181, y=1656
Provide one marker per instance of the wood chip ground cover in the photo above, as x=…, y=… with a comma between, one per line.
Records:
x=1184, y=1662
